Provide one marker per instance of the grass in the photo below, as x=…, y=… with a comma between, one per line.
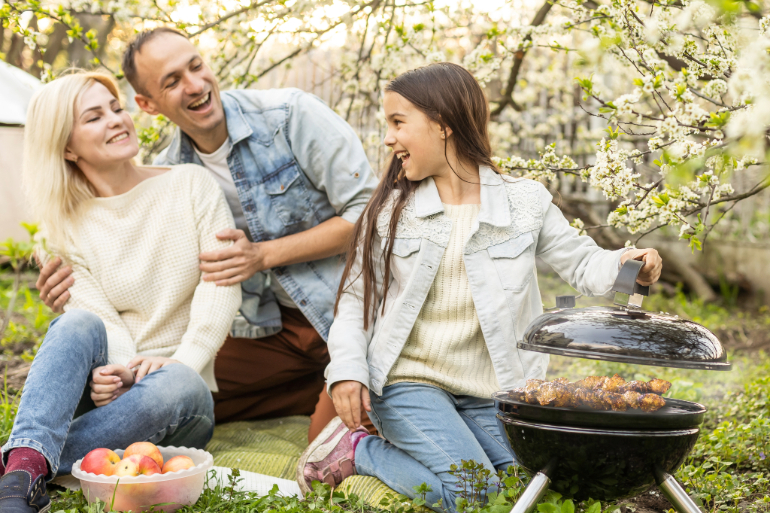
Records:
x=727, y=471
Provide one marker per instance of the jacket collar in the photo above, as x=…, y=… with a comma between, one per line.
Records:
x=181, y=147
x=494, y=208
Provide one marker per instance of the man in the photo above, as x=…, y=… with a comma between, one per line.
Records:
x=296, y=178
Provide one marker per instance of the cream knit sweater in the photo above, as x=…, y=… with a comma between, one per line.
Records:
x=135, y=263
x=446, y=347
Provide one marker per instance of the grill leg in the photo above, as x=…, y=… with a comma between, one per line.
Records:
x=532, y=493
x=676, y=494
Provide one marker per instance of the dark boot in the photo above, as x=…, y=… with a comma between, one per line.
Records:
x=18, y=494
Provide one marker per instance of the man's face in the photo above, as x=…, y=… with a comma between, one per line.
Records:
x=180, y=85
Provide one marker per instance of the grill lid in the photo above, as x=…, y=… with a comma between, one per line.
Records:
x=626, y=333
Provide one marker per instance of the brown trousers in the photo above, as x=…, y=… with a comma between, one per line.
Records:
x=276, y=376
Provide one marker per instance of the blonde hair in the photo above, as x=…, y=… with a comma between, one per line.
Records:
x=55, y=187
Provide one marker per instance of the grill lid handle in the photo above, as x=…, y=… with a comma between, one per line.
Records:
x=628, y=293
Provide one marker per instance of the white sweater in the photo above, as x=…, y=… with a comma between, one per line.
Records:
x=446, y=347
x=135, y=263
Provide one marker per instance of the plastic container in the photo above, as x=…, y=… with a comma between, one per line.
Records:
x=174, y=489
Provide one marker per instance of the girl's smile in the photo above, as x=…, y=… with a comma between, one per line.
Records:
x=416, y=140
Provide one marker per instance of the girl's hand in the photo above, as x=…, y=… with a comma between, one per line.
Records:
x=110, y=382
x=348, y=396
x=653, y=264
x=149, y=364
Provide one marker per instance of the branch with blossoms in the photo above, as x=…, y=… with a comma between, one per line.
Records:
x=667, y=118
x=12, y=12
x=690, y=121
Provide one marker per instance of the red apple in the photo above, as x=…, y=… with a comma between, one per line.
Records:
x=178, y=463
x=101, y=462
x=136, y=465
x=145, y=449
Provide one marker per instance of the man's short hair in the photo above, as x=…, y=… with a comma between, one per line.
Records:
x=134, y=47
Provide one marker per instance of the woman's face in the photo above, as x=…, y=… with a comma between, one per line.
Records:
x=103, y=133
x=414, y=138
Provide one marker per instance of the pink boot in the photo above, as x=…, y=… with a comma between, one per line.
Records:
x=330, y=458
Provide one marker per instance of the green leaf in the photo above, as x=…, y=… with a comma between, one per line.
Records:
x=596, y=507
x=548, y=508
x=661, y=199
x=694, y=244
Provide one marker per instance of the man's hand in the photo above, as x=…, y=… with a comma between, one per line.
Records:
x=53, y=283
x=653, y=264
x=235, y=264
x=348, y=396
x=149, y=364
x=110, y=382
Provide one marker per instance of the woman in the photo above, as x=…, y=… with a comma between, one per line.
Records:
x=141, y=329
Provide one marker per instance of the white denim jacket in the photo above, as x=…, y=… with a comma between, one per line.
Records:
x=516, y=222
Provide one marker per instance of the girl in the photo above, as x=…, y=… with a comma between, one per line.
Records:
x=437, y=290
x=141, y=326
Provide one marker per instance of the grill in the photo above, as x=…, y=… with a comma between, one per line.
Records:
x=608, y=455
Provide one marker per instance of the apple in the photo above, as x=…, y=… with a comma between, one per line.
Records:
x=148, y=449
x=101, y=462
x=178, y=463
x=136, y=465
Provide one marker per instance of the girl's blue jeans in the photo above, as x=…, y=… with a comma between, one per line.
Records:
x=426, y=430
x=56, y=417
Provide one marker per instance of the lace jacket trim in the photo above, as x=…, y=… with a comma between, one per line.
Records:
x=524, y=203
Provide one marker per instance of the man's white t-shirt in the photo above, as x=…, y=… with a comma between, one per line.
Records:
x=216, y=163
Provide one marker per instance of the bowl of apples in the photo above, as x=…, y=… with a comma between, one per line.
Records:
x=143, y=476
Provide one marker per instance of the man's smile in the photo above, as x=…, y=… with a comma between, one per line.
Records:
x=202, y=103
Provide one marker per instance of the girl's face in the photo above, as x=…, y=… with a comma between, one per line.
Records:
x=414, y=138
x=103, y=133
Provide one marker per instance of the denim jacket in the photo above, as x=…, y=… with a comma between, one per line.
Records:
x=295, y=164
x=516, y=223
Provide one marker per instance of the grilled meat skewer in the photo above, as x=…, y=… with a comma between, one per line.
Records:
x=618, y=385
x=595, y=392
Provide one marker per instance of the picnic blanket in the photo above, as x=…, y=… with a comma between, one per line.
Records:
x=273, y=447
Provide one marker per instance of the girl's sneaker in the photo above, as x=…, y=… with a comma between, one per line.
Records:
x=330, y=458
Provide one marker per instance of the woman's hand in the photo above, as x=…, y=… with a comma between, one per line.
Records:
x=653, y=264
x=149, y=364
x=348, y=396
x=110, y=382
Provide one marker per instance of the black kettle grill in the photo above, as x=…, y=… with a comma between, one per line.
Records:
x=608, y=455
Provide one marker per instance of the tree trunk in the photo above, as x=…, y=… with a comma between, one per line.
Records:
x=55, y=43
x=14, y=52
x=692, y=278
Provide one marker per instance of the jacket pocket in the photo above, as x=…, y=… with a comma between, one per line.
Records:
x=514, y=261
x=288, y=195
x=403, y=247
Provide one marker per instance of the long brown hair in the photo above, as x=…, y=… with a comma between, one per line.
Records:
x=450, y=96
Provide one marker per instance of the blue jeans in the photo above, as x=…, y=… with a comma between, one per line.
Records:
x=171, y=406
x=426, y=430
